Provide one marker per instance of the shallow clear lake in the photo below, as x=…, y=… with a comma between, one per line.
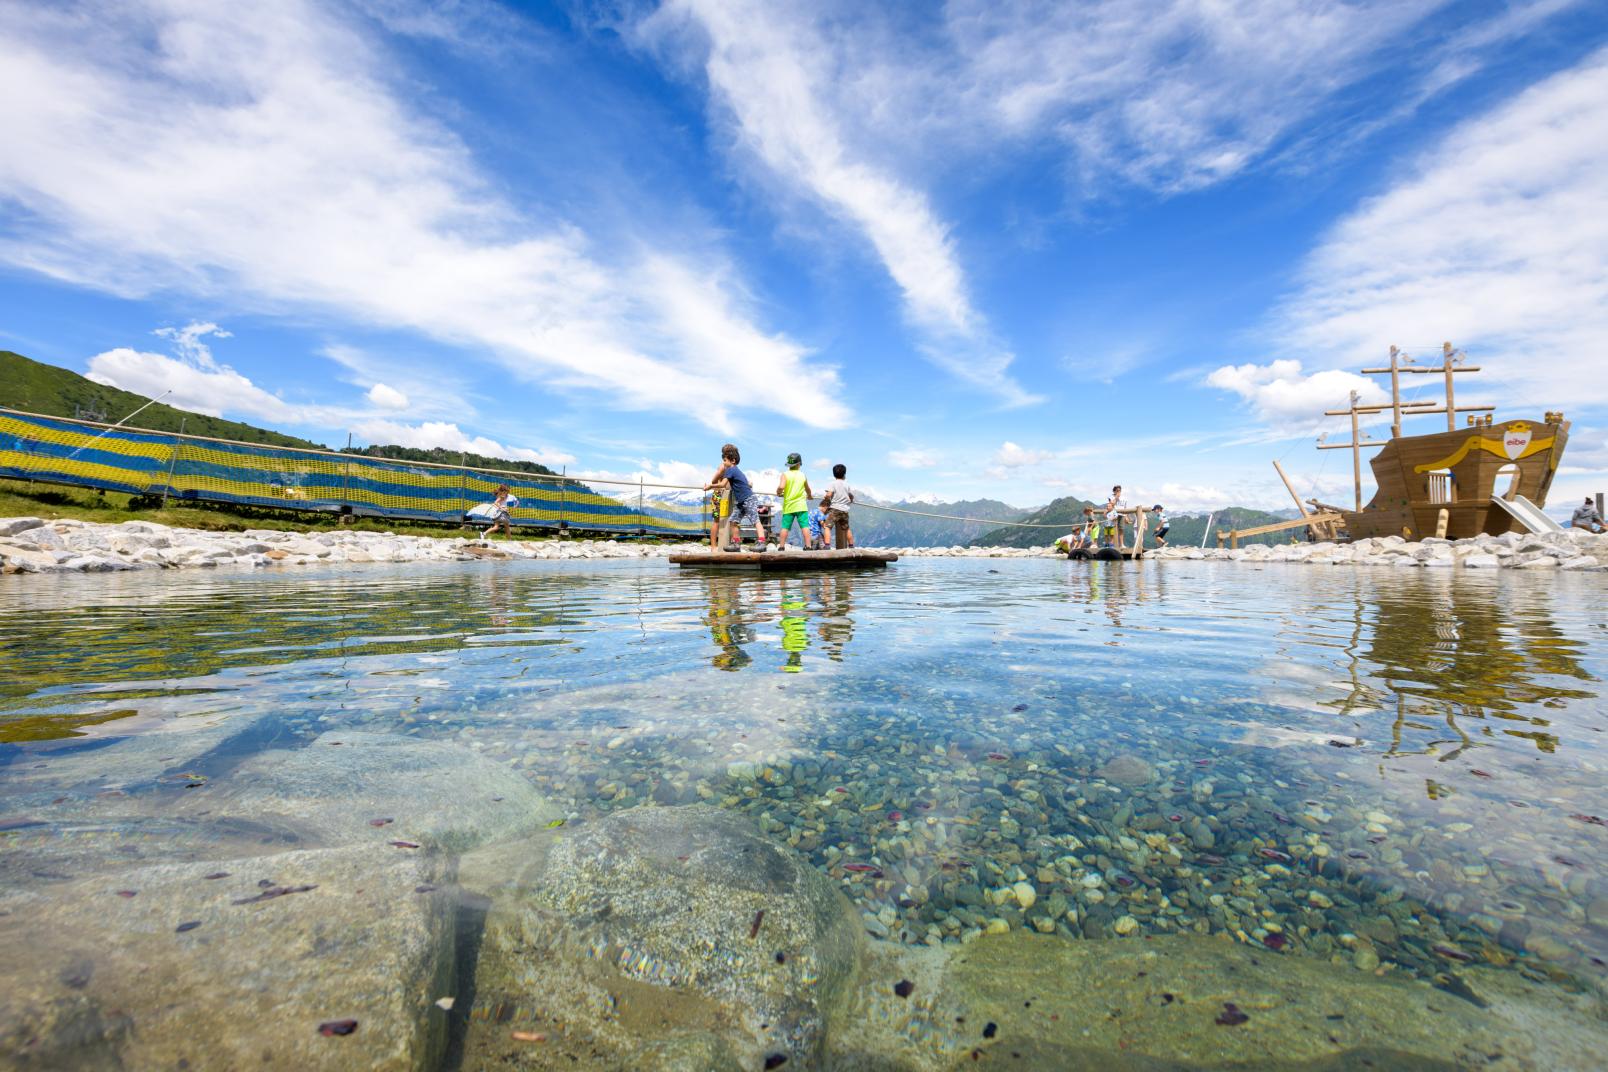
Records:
x=1397, y=771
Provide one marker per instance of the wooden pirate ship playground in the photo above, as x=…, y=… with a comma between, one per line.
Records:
x=1487, y=476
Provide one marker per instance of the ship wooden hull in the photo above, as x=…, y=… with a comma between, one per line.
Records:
x=1459, y=472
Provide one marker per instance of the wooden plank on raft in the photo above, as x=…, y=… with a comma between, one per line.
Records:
x=847, y=558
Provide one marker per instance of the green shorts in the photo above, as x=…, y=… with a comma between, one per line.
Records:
x=801, y=518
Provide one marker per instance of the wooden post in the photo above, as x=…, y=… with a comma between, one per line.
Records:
x=1299, y=505
x=1356, y=452
x=1442, y=519
x=1451, y=405
x=1396, y=394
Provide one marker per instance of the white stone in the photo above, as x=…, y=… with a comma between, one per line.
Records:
x=10, y=526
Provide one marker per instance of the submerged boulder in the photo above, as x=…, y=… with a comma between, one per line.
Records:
x=690, y=921
x=438, y=794
x=1188, y=1002
x=231, y=965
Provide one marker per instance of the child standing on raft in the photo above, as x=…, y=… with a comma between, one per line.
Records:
x=1162, y=525
x=839, y=497
x=744, y=504
x=794, y=491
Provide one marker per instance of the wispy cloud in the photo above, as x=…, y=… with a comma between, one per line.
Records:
x=256, y=155
x=1496, y=239
x=770, y=71
x=913, y=458
x=1169, y=94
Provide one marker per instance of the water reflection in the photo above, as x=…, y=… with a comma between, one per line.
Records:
x=746, y=613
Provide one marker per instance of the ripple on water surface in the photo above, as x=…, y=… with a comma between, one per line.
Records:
x=1366, y=766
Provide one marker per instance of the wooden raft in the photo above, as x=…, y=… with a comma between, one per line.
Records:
x=848, y=558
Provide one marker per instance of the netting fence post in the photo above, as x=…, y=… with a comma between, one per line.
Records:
x=173, y=462
x=463, y=486
x=642, y=525
x=563, y=500
x=346, y=475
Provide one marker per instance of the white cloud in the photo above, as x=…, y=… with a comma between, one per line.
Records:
x=387, y=397
x=197, y=381
x=449, y=436
x=913, y=458
x=188, y=341
x=766, y=67
x=1285, y=397
x=1011, y=456
x=1172, y=94
x=1496, y=238
x=215, y=390
x=256, y=156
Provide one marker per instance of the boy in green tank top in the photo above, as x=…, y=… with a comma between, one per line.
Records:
x=794, y=491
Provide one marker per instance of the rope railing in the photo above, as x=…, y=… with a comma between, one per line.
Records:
x=957, y=517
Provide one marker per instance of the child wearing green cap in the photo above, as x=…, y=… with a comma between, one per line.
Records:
x=794, y=491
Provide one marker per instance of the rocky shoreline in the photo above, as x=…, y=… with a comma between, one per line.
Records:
x=1571, y=550
x=35, y=545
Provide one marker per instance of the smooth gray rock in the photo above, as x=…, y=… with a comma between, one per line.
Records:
x=97, y=979
x=694, y=903
x=435, y=793
x=10, y=526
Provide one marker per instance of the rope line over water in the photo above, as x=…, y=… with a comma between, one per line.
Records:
x=979, y=520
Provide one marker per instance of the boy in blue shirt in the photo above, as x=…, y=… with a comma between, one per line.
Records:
x=744, y=503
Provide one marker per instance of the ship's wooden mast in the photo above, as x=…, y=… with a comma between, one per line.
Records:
x=1400, y=363
x=1357, y=442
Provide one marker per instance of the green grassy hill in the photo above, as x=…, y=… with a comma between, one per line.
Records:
x=33, y=386
x=1188, y=529
x=1063, y=513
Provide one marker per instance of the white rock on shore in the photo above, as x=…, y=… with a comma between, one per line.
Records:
x=32, y=545
x=1571, y=550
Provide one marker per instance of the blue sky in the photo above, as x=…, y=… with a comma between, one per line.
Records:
x=969, y=249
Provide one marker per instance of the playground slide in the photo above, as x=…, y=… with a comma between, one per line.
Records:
x=1528, y=514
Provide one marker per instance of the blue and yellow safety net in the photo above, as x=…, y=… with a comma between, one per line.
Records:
x=197, y=469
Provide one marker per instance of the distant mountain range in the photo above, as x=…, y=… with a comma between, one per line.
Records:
x=908, y=524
